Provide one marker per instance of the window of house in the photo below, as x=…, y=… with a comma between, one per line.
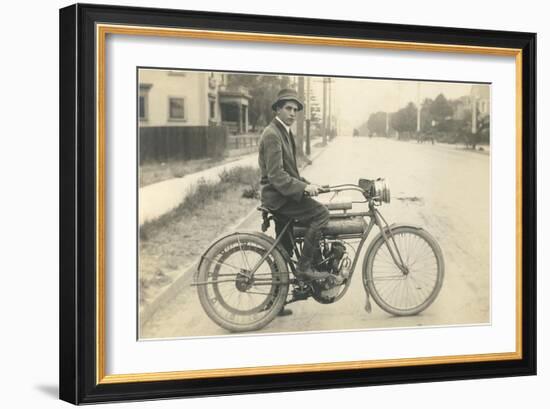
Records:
x=176, y=109
x=143, y=101
x=483, y=107
x=142, y=107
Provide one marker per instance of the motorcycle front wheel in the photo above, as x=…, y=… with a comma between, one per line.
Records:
x=230, y=294
x=404, y=293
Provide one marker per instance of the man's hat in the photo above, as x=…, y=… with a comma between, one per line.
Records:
x=287, y=94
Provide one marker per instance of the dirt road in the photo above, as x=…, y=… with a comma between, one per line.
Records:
x=444, y=189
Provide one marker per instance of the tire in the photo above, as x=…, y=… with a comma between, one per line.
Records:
x=398, y=293
x=233, y=301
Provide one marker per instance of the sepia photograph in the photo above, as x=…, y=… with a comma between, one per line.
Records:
x=261, y=203
x=285, y=203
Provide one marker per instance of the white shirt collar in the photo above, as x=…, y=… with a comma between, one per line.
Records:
x=285, y=125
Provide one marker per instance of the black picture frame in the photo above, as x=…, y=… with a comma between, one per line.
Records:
x=80, y=361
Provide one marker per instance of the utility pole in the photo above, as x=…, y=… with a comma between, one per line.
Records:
x=474, y=115
x=418, y=106
x=308, y=116
x=324, y=111
x=300, y=124
x=329, y=106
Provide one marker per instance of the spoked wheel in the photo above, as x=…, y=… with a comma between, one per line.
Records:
x=230, y=294
x=406, y=292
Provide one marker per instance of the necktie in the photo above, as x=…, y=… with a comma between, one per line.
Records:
x=290, y=140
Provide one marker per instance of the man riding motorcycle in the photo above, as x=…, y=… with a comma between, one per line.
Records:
x=283, y=190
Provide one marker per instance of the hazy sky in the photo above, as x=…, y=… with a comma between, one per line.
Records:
x=355, y=99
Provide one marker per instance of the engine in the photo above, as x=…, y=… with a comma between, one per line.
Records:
x=333, y=254
x=331, y=257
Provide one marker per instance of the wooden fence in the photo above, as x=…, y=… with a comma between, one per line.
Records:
x=166, y=143
x=243, y=141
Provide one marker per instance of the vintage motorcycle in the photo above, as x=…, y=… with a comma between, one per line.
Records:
x=246, y=278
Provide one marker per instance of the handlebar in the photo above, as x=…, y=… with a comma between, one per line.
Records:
x=339, y=188
x=372, y=190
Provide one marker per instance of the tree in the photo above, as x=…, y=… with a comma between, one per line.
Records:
x=377, y=123
x=481, y=134
x=404, y=120
x=440, y=110
x=263, y=89
x=483, y=128
x=426, y=118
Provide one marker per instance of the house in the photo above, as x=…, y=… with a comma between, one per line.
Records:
x=462, y=107
x=481, y=101
x=187, y=114
x=482, y=95
x=175, y=98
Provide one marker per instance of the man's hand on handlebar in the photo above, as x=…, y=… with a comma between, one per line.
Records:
x=314, y=190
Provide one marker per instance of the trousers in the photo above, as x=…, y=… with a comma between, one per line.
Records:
x=310, y=214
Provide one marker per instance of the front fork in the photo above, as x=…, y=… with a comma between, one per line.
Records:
x=389, y=239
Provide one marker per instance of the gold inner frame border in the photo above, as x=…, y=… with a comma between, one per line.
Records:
x=102, y=30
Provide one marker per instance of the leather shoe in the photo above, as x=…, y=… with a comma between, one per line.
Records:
x=285, y=312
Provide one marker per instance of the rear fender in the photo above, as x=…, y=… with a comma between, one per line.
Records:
x=270, y=240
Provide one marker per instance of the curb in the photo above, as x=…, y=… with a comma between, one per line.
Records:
x=182, y=279
x=210, y=174
x=185, y=277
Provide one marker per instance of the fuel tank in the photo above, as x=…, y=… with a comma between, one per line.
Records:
x=338, y=226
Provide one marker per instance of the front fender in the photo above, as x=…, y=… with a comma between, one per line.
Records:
x=396, y=225
x=388, y=229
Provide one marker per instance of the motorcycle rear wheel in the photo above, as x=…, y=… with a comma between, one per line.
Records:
x=394, y=291
x=232, y=298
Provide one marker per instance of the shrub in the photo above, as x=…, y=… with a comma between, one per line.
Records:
x=206, y=192
x=203, y=193
x=252, y=192
x=245, y=175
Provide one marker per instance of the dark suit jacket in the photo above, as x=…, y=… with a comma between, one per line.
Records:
x=280, y=179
